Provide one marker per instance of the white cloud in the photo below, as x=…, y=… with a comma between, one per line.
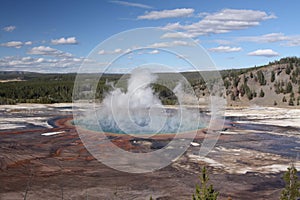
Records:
x=223, y=42
x=116, y=51
x=225, y=49
x=179, y=12
x=15, y=44
x=174, y=35
x=40, y=64
x=48, y=51
x=267, y=38
x=174, y=26
x=28, y=43
x=161, y=45
x=155, y=51
x=70, y=40
x=287, y=40
x=171, y=44
x=130, y=4
x=293, y=42
x=264, y=52
x=102, y=52
x=9, y=28
x=222, y=22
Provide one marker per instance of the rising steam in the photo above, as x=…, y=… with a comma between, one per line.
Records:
x=138, y=110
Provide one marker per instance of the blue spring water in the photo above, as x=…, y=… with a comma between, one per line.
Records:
x=173, y=123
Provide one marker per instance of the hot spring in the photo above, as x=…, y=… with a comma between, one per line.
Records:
x=139, y=110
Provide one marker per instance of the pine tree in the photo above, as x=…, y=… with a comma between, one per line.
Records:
x=292, y=185
x=227, y=84
x=291, y=102
x=292, y=96
x=289, y=87
x=261, y=78
x=205, y=192
x=254, y=94
x=261, y=94
x=283, y=99
x=288, y=70
x=292, y=99
x=273, y=76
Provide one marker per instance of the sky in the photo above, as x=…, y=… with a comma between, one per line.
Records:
x=59, y=35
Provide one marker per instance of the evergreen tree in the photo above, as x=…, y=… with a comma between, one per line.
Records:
x=289, y=87
x=244, y=89
x=291, y=102
x=273, y=76
x=261, y=94
x=254, y=94
x=292, y=185
x=283, y=99
x=251, y=74
x=232, y=97
x=277, y=87
x=227, y=84
x=292, y=99
x=261, y=78
x=288, y=70
x=205, y=192
x=292, y=96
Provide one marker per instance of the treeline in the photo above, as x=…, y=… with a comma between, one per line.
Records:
x=36, y=92
x=36, y=88
x=28, y=87
x=249, y=83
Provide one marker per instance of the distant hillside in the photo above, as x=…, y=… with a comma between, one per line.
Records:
x=275, y=84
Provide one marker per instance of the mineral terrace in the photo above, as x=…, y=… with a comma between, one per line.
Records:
x=42, y=157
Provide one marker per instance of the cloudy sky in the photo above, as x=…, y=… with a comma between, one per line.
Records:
x=57, y=35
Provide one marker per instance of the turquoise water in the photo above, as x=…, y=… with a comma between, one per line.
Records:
x=171, y=121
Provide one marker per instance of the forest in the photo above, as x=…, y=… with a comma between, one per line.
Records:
x=280, y=77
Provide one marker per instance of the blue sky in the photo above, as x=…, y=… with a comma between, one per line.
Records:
x=56, y=36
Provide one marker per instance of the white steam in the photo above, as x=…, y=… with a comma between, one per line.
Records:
x=139, y=111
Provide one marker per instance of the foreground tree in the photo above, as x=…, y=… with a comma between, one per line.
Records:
x=292, y=185
x=205, y=192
